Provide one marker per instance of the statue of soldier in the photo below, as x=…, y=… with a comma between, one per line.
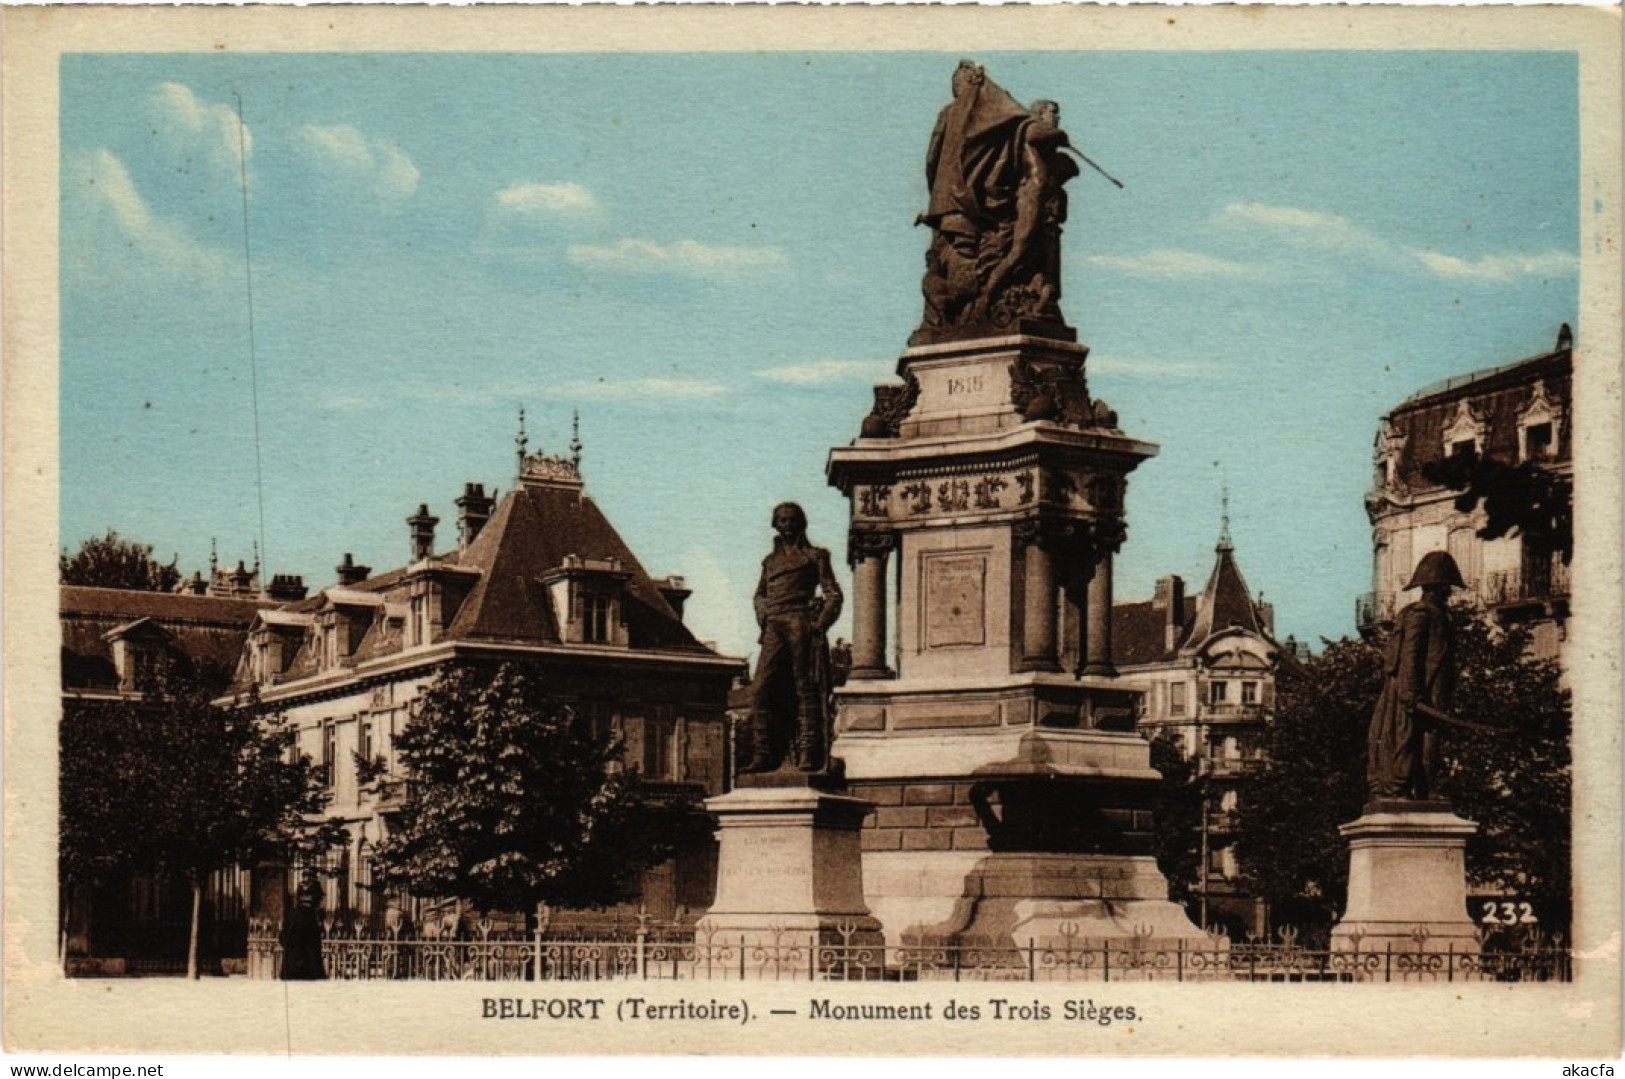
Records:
x=797, y=600
x=1419, y=665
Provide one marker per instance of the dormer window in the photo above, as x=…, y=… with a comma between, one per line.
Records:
x=138, y=651
x=1464, y=435
x=588, y=599
x=1538, y=427
x=436, y=591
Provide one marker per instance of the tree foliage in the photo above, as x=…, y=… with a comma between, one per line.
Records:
x=174, y=784
x=513, y=800
x=1522, y=499
x=112, y=561
x=1514, y=783
x=1177, y=840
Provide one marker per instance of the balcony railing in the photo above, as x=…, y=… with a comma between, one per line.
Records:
x=1534, y=583
x=1372, y=610
x=1233, y=711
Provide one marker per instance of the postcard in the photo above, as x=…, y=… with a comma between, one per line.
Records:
x=818, y=531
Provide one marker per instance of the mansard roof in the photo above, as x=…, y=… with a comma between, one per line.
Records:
x=1495, y=398
x=533, y=531
x=208, y=630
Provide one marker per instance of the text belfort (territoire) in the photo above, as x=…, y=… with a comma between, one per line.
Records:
x=822, y=1009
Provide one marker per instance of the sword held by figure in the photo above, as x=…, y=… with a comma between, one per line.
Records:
x=1081, y=156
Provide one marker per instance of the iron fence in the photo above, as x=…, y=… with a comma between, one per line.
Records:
x=846, y=954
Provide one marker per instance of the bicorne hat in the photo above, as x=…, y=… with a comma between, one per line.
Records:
x=1436, y=567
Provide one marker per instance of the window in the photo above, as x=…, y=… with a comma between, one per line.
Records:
x=1176, y=698
x=1215, y=863
x=1249, y=693
x=595, y=619
x=1464, y=447
x=657, y=748
x=1538, y=442
x=365, y=739
x=1217, y=692
x=330, y=751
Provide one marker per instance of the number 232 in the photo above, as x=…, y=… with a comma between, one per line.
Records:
x=1509, y=914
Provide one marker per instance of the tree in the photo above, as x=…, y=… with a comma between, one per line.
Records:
x=1522, y=499
x=1313, y=780
x=174, y=784
x=513, y=800
x=114, y=562
x=1180, y=795
x=1514, y=783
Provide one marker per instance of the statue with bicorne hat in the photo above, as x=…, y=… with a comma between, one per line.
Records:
x=1419, y=669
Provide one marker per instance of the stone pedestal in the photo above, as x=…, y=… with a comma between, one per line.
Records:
x=1407, y=875
x=790, y=868
x=1014, y=796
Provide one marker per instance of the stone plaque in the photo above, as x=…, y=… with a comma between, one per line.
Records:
x=955, y=600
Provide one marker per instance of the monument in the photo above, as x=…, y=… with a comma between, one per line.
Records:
x=1014, y=796
x=1407, y=865
x=789, y=868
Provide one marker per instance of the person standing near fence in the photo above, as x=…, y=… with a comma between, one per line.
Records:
x=302, y=935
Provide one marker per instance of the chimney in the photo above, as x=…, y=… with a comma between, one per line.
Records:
x=242, y=580
x=286, y=588
x=194, y=585
x=349, y=573
x=675, y=592
x=422, y=525
x=1169, y=598
x=473, y=510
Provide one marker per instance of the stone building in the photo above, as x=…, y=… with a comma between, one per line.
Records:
x=1513, y=414
x=110, y=639
x=540, y=575
x=1205, y=665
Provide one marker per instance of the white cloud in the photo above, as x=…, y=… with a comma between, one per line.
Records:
x=381, y=167
x=1176, y=264
x=681, y=257
x=817, y=372
x=210, y=130
x=1501, y=268
x=645, y=390
x=1145, y=368
x=1314, y=229
x=545, y=200
x=1308, y=228
x=99, y=183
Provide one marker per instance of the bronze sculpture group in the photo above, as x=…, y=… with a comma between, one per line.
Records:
x=995, y=171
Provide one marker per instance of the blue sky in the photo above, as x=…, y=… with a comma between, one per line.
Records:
x=712, y=258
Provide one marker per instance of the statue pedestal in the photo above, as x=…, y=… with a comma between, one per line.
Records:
x=1082, y=900
x=1407, y=873
x=790, y=869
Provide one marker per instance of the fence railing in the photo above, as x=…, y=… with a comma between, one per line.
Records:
x=845, y=954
